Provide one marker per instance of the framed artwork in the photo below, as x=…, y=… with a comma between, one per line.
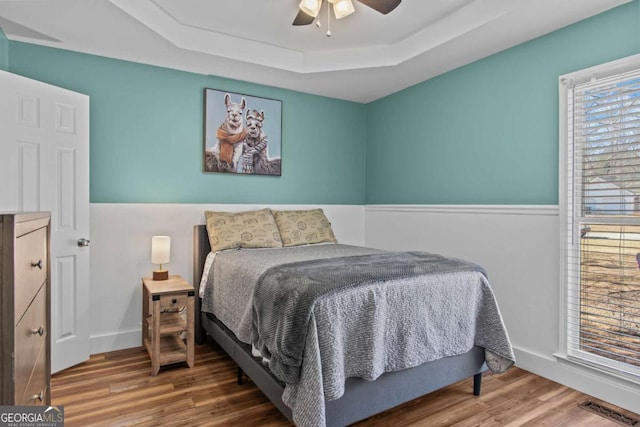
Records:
x=242, y=133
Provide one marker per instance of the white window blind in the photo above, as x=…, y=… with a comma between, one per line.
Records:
x=603, y=222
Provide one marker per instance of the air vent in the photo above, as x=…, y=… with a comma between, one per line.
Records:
x=609, y=413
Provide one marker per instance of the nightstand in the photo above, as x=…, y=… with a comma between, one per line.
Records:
x=167, y=321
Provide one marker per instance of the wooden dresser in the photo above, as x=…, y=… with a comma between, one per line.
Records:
x=25, y=362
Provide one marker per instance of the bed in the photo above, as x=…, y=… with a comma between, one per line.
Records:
x=320, y=396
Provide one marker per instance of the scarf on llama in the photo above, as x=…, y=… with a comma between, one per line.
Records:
x=227, y=141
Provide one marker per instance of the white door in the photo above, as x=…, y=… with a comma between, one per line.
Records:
x=44, y=166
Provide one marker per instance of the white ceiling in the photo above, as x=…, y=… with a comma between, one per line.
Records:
x=369, y=55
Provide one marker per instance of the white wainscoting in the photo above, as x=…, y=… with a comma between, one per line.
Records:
x=518, y=245
x=121, y=255
x=520, y=248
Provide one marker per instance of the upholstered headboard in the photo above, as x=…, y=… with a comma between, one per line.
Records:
x=201, y=249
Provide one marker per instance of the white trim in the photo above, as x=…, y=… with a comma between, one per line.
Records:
x=544, y=210
x=605, y=71
x=562, y=217
x=614, y=67
x=617, y=391
x=590, y=361
x=115, y=341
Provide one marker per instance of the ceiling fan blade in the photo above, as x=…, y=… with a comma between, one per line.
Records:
x=304, y=19
x=382, y=6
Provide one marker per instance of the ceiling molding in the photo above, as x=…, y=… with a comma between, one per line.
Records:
x=183, y=35
x=369, y=56
x=21, y=31
x=211, y=42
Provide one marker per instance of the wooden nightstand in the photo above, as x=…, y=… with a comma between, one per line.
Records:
x=167, y=321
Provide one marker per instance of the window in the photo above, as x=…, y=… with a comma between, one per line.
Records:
x=601, y=215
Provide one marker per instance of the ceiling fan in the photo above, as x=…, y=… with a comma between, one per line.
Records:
x=309, y=9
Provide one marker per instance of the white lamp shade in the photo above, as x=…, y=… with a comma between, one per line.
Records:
x=160, y=249
x=310, y=7
x=342, y=8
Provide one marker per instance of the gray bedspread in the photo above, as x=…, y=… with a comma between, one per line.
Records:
x=285, y=295
x=368, y=330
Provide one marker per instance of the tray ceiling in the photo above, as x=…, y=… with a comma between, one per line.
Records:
x=369, y=56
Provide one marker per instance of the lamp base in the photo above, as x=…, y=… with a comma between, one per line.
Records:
x=160, y=274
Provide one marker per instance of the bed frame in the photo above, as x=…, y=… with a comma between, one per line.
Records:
x=361, y=398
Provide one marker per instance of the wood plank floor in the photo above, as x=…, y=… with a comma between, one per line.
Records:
x=116, y=389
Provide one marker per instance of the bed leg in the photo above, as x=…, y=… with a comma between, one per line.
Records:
x=239, y=376
x=200, y=336
x=477, y=383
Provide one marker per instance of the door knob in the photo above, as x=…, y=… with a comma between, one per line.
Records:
x=39, y=396
x=39, y=331
x=83, y=243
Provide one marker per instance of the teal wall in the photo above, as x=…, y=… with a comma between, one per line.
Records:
x=146, y=135
x=487, y=133
x=4, y=51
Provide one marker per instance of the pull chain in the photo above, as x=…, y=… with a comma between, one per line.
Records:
x=328, y=20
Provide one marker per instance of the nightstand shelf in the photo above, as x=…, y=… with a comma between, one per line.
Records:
x=167, y=321
x=172, y=323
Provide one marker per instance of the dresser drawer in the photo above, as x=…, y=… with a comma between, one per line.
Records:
x=30, y=268
x=37, y=390
x=25, y=363
x=30, y=337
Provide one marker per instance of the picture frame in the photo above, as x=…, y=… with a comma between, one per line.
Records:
x=242, y=133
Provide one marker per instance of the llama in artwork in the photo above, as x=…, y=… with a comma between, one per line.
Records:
x=255, y=158
x=226, y=153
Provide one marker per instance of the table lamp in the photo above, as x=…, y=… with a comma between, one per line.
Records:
x=160, y=254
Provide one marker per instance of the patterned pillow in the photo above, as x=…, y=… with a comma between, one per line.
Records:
x=249, y=229
x=304, y=227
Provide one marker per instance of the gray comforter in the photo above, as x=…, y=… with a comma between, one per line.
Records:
x=285, y=295
x=368, y=330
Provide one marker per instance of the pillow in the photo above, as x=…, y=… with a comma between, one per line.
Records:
x=249, y=229
x=304, y=227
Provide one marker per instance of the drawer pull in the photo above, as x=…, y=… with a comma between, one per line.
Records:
x=39, y=264
x=39, y=331
x=39, y=396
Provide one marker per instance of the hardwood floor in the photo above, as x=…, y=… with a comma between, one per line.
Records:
x=116, y=389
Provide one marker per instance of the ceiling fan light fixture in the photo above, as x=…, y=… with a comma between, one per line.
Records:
x=342, y=8
x=310, y=7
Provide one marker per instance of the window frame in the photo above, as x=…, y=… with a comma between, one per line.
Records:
x=565, y=83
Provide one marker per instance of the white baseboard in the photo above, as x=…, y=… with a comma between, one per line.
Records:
x=115, y=341
x=602, y=386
